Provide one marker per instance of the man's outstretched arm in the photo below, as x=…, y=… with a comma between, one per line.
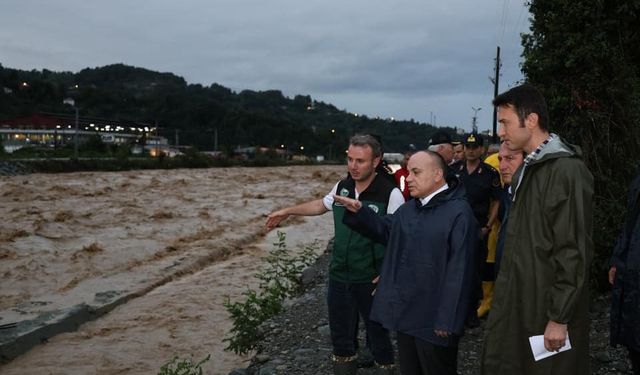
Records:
x=311, y=208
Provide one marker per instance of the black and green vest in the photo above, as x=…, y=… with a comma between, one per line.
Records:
x=356, y=258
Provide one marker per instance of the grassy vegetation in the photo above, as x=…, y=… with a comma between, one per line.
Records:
x=280, y=279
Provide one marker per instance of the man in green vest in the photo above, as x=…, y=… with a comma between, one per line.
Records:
x=355, y=259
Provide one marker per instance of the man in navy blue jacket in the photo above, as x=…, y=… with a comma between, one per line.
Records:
x=423, y=290
x=624, y=275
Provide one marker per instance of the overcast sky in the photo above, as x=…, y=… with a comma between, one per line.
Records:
x=407, y=59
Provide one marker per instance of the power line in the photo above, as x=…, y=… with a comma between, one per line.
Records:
x=503, y=22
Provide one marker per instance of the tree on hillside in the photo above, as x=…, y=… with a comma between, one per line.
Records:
x=584, y=56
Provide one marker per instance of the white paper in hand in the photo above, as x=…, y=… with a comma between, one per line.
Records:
x=540, y=352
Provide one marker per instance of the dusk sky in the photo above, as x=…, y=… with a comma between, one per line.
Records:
x=403, y=59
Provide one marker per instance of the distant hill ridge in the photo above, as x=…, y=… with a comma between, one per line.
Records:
x=198, y=115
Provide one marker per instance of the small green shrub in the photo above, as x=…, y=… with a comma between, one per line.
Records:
x=280, y=279
x=283, y=271
x=177, y=366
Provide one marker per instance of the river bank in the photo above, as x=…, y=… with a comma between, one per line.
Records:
x=297, y=342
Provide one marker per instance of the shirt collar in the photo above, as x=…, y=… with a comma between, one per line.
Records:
x=534, y=154
x=426, y=199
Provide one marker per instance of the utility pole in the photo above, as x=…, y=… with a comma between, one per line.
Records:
x=75, y=138
x=496, y=81
x=215, y=139
x=157, y=140
x=177, y=137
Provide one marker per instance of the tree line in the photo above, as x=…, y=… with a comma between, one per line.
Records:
x=198, y=115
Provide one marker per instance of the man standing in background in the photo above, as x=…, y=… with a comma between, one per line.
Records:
x=488, y=269
x=482, y=185
x=441, y=143
x=401, y=176
x=624, y=275
x=458, y=151
x=509, y=161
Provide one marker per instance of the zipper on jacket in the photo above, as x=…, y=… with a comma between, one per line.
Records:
x=346, y=256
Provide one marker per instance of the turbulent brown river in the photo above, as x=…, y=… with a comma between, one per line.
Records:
x=191, y=237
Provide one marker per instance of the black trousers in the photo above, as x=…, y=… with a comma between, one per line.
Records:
x=345, y=301
x=634, y=356
x=418, y=357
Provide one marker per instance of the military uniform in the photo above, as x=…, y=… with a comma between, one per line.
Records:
x=482, y=186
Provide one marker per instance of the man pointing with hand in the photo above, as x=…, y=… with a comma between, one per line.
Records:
x=423, y=290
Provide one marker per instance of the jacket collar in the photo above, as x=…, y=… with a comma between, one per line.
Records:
x=555, y=148
x=455, y=191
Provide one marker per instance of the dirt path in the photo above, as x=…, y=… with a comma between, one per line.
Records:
x=197, y=231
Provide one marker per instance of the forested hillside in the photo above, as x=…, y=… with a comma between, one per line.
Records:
x=195, y=113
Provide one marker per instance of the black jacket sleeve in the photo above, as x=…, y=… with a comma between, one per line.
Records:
x=369, y=224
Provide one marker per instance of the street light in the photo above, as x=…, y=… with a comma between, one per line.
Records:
x=72, y=103
x=333, y=132
x=474, y=127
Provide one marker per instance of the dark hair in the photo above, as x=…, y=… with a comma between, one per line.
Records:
x=525, y=100
x=367, y=140
x=439, y=160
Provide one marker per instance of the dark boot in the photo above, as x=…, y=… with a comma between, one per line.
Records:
x=345, y=365
x=365, y=358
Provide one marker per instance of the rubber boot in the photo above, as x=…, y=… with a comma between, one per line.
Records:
x=345, y=365
x=487, y=297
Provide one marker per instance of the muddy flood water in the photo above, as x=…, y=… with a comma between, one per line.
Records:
x=191, y=237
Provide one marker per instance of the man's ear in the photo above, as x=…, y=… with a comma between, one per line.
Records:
x=439, y=175
x=376, y=161
x=531, y=121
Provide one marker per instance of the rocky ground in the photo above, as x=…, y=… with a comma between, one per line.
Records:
x=297, y=341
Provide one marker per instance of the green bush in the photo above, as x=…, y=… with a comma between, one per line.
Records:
x=279, y=280
x=177, y=366
x=283, y=271
x=595, y=105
